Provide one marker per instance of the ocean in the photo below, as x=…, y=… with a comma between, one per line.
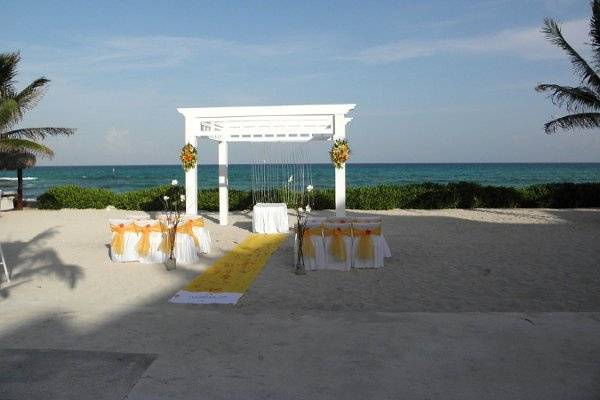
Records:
x=131, y=177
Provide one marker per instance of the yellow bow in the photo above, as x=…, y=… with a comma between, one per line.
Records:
x=337, y=247
x=143, y=246
x=365, y=242
x=187, y=228
x=118, y=240
x=168, y=237
x=308, y=247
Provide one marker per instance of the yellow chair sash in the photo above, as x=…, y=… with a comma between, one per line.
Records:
x=167, y=239
x=365, y=242
x=187, y=228
x=118, y=241
x=143, y=246
x=337, y=247
x=308, y=247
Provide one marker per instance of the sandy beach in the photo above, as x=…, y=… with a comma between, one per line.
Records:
x=494, y=303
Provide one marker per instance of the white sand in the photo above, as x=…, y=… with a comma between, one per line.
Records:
x=443, y=260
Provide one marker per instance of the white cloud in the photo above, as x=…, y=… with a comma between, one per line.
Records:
x=525, y=42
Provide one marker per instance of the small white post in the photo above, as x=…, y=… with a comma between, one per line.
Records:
x=340, y=173
x=191, y=179
x=223, y=184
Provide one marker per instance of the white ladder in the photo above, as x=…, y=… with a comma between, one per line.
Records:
x=3, y=261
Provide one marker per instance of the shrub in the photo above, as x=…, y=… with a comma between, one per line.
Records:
x=72, y=196
x=384, y=197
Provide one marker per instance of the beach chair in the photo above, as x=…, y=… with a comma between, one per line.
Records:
x=124, y=240
x=3, y=261
x=338, y=245
x=368, y=248
x=313, y=247
x=150, y=238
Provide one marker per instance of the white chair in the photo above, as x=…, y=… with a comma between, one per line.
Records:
x=315, y=220
x=374, y=219
x=366, y=219
x=338, y=220
x=202, y=234
x=313, y=246
x=186, y=243
x=338, y=245
x=124, y=240
x=4, y=265
x=151, y=235
x=368, y=249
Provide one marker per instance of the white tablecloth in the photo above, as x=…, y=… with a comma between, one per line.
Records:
x=270, y=218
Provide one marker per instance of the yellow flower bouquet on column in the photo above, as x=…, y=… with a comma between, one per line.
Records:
x=340, y=152
x=189, y=157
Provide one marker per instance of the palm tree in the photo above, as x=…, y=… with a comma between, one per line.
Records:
x=19, y=146
x=581, y=102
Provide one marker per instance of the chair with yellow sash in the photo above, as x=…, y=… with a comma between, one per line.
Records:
x=338, y=220
x=368, y=249
x=338, y=245
x=124, y=240
x=203, y=243
x=313, y=247
x=151, y=235
x=187, y=243
x=375, y=219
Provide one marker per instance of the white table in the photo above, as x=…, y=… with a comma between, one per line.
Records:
x=270, y=218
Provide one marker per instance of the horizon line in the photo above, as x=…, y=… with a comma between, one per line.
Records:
x=328, y=163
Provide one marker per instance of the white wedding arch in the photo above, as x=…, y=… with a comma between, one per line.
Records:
x=290, y=123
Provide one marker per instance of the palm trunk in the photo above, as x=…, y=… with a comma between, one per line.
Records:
x=19, y=205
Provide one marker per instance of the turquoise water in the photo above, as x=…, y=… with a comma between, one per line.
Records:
x=125, y=178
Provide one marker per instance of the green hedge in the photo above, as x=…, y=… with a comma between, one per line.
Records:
x=384, y=197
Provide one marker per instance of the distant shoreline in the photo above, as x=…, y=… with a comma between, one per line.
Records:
x=349, y=164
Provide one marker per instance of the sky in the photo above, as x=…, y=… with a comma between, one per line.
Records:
x=434, y=81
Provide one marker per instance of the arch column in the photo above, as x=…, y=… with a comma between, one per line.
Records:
x=191, y=182
x=339, y=132
x=223, y=183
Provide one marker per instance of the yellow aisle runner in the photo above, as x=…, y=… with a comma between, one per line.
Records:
x=230, y=276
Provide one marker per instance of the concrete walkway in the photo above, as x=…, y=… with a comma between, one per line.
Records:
x=228, y=354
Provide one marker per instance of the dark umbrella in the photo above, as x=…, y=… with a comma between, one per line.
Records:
x=13, y=160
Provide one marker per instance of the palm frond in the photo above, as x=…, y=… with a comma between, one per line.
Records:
x=574, y=99
x=573, y=121
x=595, y=31
x=9, y=113
x=28, y=97
x=39, y=133
x=24, y=145
x=581, y=67
x=8, y=71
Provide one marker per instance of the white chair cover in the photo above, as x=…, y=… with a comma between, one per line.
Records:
x=130, y=238
x=331, y=261
x=316, y=237
x=338, y=220
x=315, y=220
x=185, y=250
x=155, y=255
x=374, y=219
x=201, y=233
x=374, y=232
x=366, y=219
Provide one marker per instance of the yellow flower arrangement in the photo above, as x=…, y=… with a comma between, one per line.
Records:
x=189, y=157
x=340, y=152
